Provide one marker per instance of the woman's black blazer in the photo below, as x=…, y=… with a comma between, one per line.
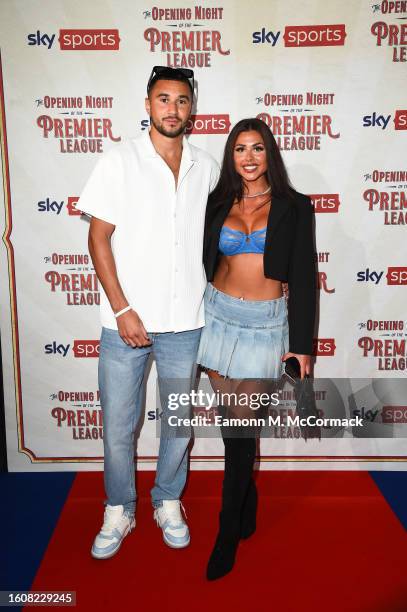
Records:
x=288, y=257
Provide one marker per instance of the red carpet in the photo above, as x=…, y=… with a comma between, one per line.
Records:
x=325, y=541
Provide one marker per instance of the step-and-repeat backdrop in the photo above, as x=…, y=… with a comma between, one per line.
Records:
x=328, y=78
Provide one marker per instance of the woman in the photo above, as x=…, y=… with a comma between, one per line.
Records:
x=258, y=235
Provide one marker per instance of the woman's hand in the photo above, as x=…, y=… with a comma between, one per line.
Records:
x=304, y=361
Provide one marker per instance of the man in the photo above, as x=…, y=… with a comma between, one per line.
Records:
x=147, y=198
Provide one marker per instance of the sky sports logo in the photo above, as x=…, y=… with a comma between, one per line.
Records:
x=80, y=348
x=77, y=40
x=323, y=347
x=201, y=124
x=377, y=120
x=325, y=202
x=394, y=414
x=304, y=36
x=396, y=275
x=48, y=205
x=208, y=124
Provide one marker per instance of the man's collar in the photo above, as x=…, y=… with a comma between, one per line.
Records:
x=187, y=150
x=150, y=150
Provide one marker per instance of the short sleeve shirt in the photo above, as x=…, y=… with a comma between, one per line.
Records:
x=158, y=237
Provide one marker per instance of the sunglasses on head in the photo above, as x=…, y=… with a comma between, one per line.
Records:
x=177, y=74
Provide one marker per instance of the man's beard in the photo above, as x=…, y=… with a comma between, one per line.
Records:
x=170, y=134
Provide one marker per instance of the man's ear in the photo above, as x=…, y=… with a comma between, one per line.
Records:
x=147, y=105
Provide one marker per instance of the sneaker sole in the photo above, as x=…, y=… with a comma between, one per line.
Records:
x=172, y=545
x=112, y=552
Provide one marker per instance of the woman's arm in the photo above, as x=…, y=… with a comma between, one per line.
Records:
x=302, y=286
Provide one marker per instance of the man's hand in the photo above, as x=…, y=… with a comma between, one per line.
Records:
x=304, y=361
x=131, y=330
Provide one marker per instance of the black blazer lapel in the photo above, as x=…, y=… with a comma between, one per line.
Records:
x=279, y=208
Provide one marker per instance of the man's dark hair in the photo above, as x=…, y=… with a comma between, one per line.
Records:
x=165, y=73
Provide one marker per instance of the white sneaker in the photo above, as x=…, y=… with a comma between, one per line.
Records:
x=169, y=518
x=116, y=525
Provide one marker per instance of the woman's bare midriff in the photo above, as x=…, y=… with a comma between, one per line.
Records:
x=242, y=276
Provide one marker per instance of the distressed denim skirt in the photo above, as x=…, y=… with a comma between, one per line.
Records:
x=243, y=338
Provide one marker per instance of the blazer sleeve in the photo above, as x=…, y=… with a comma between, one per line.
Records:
x=206, y=243
x=302, y=281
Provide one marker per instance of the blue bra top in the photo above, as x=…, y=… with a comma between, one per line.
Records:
x=234, y=242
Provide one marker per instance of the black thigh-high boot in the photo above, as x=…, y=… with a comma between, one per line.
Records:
x=239, y=460
x=249, y=511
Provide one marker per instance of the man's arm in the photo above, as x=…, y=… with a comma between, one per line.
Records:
x=130, y=326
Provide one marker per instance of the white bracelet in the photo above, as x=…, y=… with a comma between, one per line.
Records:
x=117, y=314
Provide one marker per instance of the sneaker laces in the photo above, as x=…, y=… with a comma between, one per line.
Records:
x=110, y=520
x=173, y=514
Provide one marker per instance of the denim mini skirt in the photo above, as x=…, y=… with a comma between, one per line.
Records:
x=243, y=338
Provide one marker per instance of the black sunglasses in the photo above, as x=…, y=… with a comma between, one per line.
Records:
x=173, y=74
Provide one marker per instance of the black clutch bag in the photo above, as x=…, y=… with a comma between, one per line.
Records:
x=304, y=397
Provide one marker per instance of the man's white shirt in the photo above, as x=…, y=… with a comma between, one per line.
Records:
x=158, y=237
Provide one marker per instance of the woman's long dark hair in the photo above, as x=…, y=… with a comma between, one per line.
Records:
x=230, y=184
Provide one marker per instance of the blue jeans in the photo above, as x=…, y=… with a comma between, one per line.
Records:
x=121, y=374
